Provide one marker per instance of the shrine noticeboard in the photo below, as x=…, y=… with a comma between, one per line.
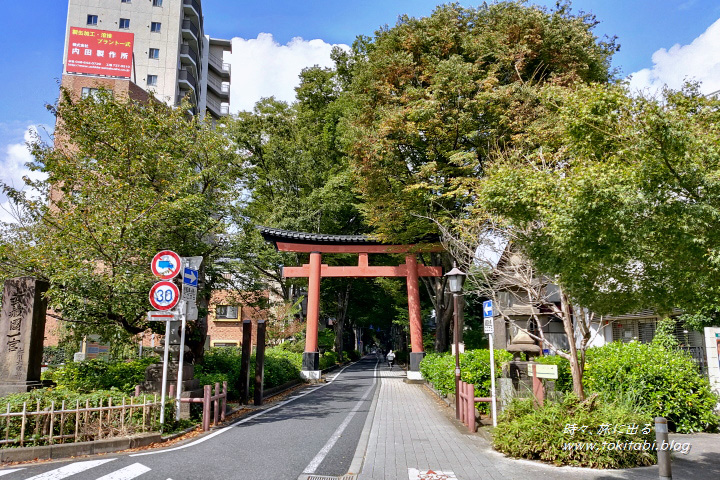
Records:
x=99, y=52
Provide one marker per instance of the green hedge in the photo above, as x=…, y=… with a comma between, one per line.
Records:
x=223, y=364
x=439, y=370
x=662, y=382
x=572, y=433
x=92, y=375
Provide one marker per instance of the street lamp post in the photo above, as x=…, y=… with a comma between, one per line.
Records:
x=456, y=277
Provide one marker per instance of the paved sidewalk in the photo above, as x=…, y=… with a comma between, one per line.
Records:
x=412, y=430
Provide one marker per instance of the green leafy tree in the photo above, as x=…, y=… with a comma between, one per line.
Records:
x=620, y=198
x=432, y=97
x=125, y=179
x=296, y=178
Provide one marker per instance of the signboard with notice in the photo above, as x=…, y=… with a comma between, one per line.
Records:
x=99, y=52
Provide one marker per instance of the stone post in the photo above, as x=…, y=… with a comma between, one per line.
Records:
x=22, y=330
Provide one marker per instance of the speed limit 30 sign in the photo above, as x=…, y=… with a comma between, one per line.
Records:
x=164, y=295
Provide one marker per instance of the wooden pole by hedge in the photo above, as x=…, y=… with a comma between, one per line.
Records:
x=260, y=362
x=245, y=362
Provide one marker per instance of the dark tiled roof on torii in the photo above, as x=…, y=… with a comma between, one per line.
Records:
x=273, y=235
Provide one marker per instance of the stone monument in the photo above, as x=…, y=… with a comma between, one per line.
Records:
x=22, y=330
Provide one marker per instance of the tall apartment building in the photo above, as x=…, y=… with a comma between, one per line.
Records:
x=159, y=45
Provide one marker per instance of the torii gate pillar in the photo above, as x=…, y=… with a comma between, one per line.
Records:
x=416, y=341
x=311, y=356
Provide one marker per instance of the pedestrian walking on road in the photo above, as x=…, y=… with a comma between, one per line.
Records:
x=390, y=358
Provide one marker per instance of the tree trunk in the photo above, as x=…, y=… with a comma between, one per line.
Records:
x=339, y=327
x=576, y=366
x=443, y=317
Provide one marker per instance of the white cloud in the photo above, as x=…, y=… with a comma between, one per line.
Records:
x=261, y=67
x=13, y=169
x=698, y=61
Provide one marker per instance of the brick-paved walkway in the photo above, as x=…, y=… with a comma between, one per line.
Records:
x=413, y=430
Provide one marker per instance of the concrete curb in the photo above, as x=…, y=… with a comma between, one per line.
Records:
x=64, y=450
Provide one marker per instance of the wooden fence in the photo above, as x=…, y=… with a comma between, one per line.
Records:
x=466, y=413
x=81, y=423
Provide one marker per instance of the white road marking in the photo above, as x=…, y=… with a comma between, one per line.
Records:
x=127, y=473
x=68, y=470
x=315, y=463
x=8, y=472
x=244, y=420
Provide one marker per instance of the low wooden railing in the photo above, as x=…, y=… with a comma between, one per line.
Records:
x=81, y=423
x=466, y=393
x=219, y=403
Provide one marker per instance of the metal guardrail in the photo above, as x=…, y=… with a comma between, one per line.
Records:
x=220, y=87
x=218, y=63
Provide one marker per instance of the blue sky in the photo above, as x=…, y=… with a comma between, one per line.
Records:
x=662, y=40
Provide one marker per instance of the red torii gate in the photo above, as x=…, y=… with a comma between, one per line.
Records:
x=316, y=245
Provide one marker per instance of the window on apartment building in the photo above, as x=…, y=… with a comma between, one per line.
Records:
x=155, y=26
x=152, y=80
x=125, y=1
x=226, y=344
x=124, y=23
x=92, y=19
x=154, y=53
x=226, y=311
x=88, y=91
x=157, y=3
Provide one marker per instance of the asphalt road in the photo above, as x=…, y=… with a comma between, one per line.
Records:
x=316, y=431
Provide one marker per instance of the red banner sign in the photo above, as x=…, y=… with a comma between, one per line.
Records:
x=99, y=52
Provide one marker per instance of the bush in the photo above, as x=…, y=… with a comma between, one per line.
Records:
x=295, y=346
x=280, y=367
x=554, y=432
x=54, y=355
x=439, y=369
x=223, y=364
x=329, y=359
x=91, y=375
x=664, y=382
x=353, y=355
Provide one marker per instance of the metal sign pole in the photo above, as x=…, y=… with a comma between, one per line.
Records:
x=492, y=380
x=165, y=371
x=489, y=329
x=180, y=362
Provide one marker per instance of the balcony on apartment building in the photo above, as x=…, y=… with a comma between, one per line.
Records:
x=187, y=80
x=221, y=89
x=191, y=33
x=192, y=8
x=188, y=56
x=216, y=107
x=218, y=66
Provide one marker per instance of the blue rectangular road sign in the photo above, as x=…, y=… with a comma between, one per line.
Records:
x=190, y=277
x=488, y=309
